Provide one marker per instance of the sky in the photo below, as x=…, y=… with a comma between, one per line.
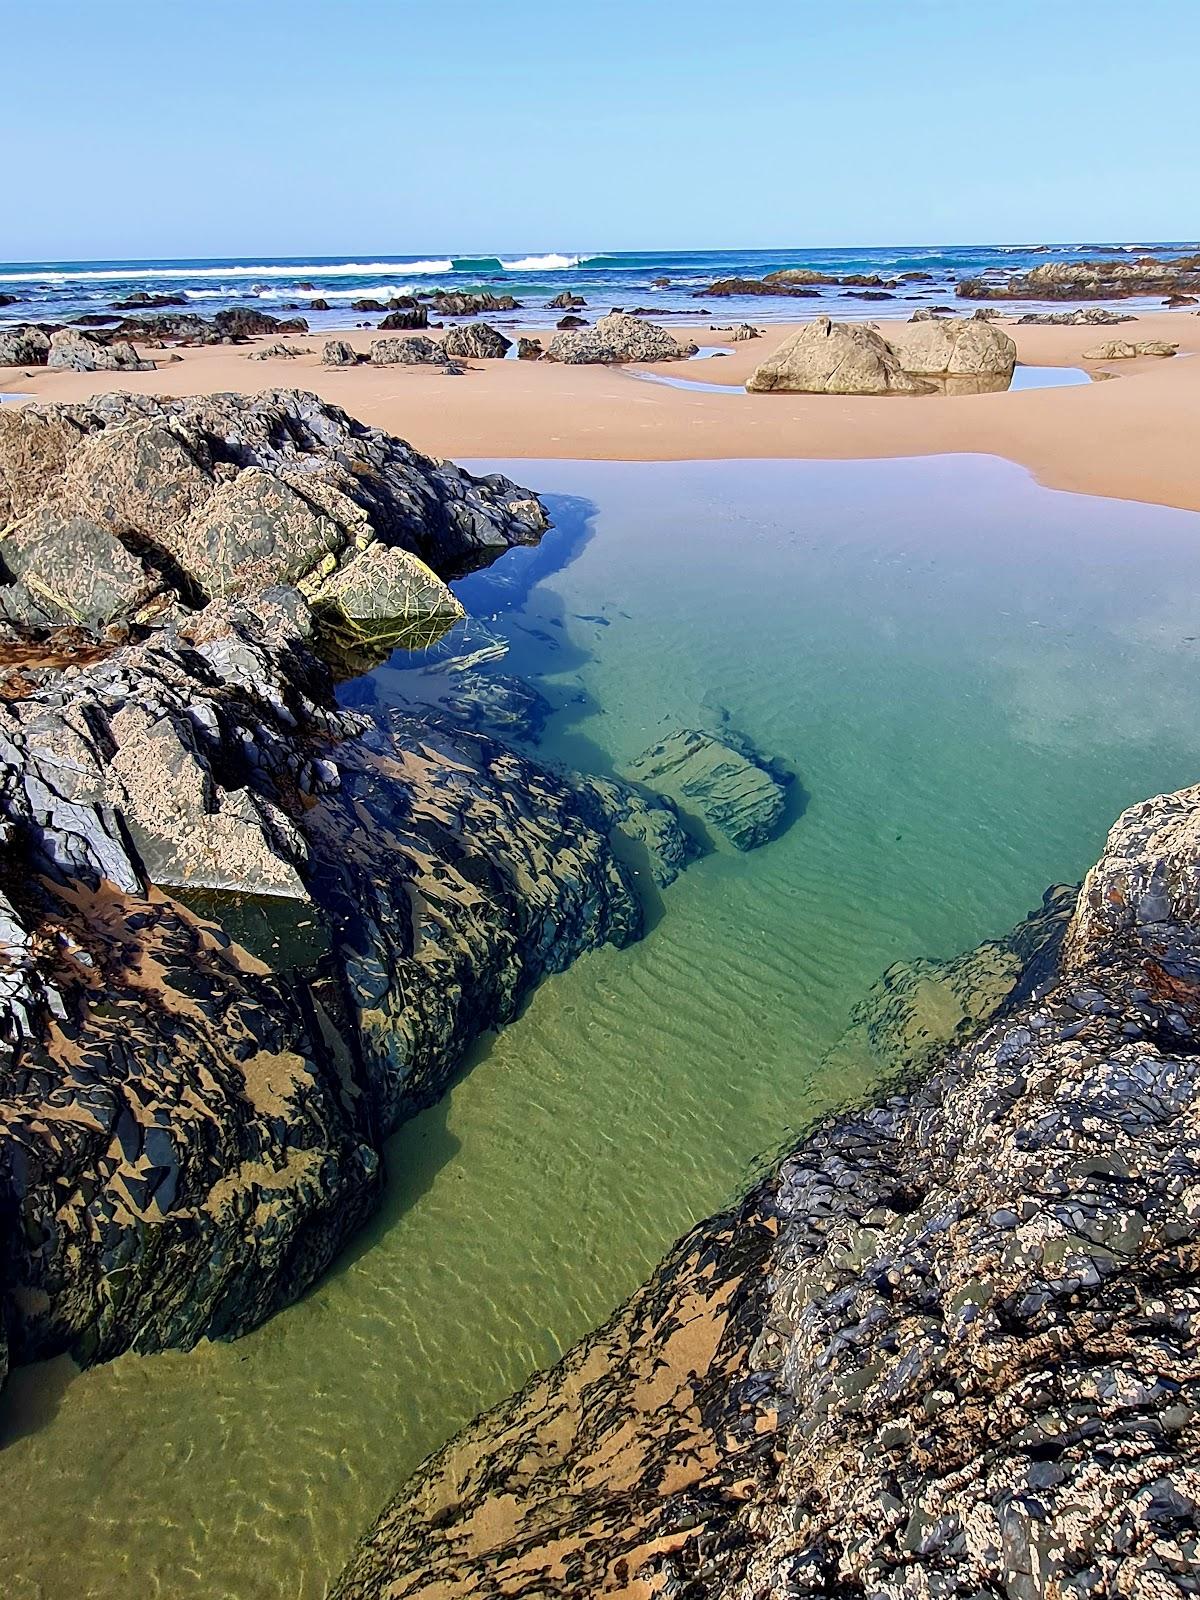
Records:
x=181, y=128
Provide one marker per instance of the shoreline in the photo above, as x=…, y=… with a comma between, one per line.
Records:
x=1129, y=438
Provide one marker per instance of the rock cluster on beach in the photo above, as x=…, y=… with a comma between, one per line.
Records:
x=948, y=1347
x=616, y=338
x=827, y=357
x=1090, y=280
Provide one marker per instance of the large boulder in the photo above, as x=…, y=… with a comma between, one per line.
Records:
x=613, y=338
x=826, y=357
x=80, y=352
x=476, y=341
x=127, y=510
x=23, y=346
x=338, y=353
x=952, y=348
x=406, y=320
x=416, y=352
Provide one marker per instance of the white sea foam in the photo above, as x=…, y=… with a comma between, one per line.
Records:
x=340, y=269
x=541, y=263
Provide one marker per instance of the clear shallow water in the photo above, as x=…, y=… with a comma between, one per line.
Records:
x=57, y=290
x=970, y=675
x=1024, y=377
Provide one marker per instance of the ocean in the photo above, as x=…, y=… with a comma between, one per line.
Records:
x=57, y=291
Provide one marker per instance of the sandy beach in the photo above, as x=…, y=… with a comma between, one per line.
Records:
x=1132, y=437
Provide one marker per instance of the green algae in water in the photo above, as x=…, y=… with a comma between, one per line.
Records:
x=970, y=675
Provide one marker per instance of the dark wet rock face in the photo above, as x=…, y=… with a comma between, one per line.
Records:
x=948, y=1347
x=172, y=503
x=188, y=1129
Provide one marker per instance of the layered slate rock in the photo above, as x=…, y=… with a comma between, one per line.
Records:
x=616, y=338
x=826, y=357
x=24, y=346
x=415, y=352
x=173, y=503
x=720, y=778
x=190, y=1127
x=948, y=1347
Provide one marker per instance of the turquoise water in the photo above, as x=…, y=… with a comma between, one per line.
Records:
x=970, y=676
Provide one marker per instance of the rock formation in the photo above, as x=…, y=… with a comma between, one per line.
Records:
x=719, y=779
x=614, y=338
x=948, y=1347
x=407, y=319
x=83, y=352
x=1126, y=350
x=826, y=357
x=126, y=511
x=953, y=348
x=245, y=932
x=475, y=341
x=24, y=345
x=450, y=304
x=415, y=352
x=529, y=349
x=337, y=353
x=1090, y=280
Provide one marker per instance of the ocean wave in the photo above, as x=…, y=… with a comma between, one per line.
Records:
x=341, y=269
x=551, y=263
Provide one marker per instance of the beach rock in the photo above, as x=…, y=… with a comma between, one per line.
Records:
x=1173, y=302
x=1080, y=318
x=566, y=302
x=529, y=349
x=387, y=599
x=318, y=305
x=81, y=352
x=476, y=341
x=9, y=299
x=1125, y=350
x=1090, y=280
x=929, y=313
x=337, y=353
x=419, y=352
x=615, y=337
x=953, y=348
x=571, y=321
x=141, y=300
x=744, y=331
x=277, y=352
x=726, y=287
x=218, y=496
x=469, y=305
x=192, y=1123
x=826, y=357
x=408, y=317
x=24, y=346
x=367, y=305
x=243, y=323
x=721, y=779
x=946, y=1348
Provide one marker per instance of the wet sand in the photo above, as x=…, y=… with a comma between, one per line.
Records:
x=1133, y=438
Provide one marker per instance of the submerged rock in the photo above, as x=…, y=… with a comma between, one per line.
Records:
x=827, y=357
x=614, y=338
x=181, y=501
x=719, y=777
x=947, y=1347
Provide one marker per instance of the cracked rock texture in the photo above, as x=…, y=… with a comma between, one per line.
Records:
x=191, y=1126
x=129, y=511
x=947, y=1347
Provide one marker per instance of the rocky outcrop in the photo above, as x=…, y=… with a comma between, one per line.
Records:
x=744, y=331
x=415, y=352
x=726, y=288
x=475, y=341
x=129, y=511
x=1126, y=349
x=718, y=779
x=566, y=301
x=1084, y=317
x=82, y=352
x=190, y=1126
x=405, y=320
x=615, y=338
x=1089, y=280
x=529, y=349
x=24, y=346
x=141, y=300
x=826, y=357
x=188, y=328
x=953, y=348
x=337, y=353
x=948, y=1347
x=448, y=304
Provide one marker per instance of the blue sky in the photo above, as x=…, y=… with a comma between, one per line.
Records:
x=204, y=127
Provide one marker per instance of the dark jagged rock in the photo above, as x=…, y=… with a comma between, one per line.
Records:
x=727, y=287
x=188, y=328
x=318, y=305
x=83, y=352
x=1074, y=319
x=337, y=353
x=188, y=1132
x=182, y=501
x=407, y=319
x=616, y=337
x=948, y=1347
x=529, y=349
x=570, y=321
x=476, y=341
x=9, y=299
x=446, y=304
x=140, y=300
x=566, y=301
x=721, y=779
x=367, y=305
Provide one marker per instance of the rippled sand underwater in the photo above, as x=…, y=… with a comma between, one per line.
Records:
x=970, y=677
